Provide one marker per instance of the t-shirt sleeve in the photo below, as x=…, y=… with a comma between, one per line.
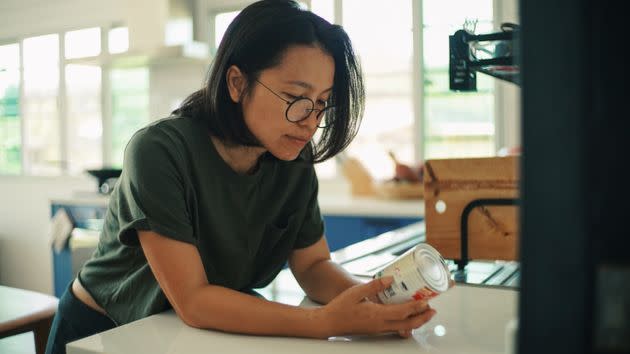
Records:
x=312, y=229
x=152, y=190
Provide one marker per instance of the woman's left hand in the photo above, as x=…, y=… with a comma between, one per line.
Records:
x=402, y=334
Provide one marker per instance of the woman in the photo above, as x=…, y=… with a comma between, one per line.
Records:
x=214, y=200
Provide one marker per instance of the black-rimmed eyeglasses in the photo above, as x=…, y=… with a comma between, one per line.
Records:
x=302, y=107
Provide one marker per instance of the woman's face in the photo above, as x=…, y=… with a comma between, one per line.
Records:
x=304, y=71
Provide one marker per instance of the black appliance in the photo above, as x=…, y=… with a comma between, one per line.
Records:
x=106, y=178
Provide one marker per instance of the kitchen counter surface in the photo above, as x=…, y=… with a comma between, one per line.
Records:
x=330, y=204
x=469, y=320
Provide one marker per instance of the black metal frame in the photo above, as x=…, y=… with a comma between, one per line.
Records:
x=462, y=69
x=463, y=260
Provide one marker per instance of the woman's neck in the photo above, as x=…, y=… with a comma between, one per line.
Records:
x=242, y=159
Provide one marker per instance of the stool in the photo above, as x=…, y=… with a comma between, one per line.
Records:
x=25, y=311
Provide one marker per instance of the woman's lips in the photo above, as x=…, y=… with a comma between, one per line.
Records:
x=297, y=140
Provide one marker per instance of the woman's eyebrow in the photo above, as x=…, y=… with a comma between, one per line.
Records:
x=305, y=85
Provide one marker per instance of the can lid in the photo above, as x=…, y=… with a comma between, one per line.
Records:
x=432, y=267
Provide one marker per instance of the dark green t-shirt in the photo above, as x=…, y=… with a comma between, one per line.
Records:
x=175, y=183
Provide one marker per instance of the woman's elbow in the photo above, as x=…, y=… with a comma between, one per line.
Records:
x=187, y=312
x=190, y=320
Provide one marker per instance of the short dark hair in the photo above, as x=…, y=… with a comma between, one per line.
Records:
x=257, y=40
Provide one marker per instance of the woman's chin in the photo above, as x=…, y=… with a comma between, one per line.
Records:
x=285, y=154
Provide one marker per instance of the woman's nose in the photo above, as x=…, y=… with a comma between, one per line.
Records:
x=311, y=121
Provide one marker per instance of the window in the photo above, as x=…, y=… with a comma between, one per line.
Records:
x=118, y=40
x=83, y=121
x=10, y=133
x=178, y=31
x=84, y=129
x=221, y=23
x=386, y=53
x=50, y=126
x=130, y=107
x=83, y=43
x=325, y=9
x=455, y=124
x=42, y=135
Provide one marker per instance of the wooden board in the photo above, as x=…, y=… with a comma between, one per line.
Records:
x=361, y=183
x=453, y=184
x=399, y=190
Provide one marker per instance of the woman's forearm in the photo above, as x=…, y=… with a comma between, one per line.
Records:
x=324, y=280
x=219, y=308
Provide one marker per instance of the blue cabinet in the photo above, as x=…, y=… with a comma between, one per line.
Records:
x=342, y=231
x=67, y=262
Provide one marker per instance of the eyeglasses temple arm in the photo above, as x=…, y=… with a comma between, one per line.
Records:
x=275, y=94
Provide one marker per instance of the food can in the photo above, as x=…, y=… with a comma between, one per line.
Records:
x=419, y=274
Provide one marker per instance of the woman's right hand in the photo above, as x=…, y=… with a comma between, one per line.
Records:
x=352, y=313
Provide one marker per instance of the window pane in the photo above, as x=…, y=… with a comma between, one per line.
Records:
x=456, y=124
x=324, y=8
x=178, y=31
x=9, y=57
x=41, y=118
x=436, y=47
x=118, y=40
x=83, y=43
x=41, y=64
x=84, y=128
x=459, y=124
x=328, y=168
x=10, y=135
x=130, y=107
x=221, y=23
x=386, y=55
x=387, y=126
x=455, y=12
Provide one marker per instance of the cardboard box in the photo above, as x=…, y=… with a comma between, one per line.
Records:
x=450, y=185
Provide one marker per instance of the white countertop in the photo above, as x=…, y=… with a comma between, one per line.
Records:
x=342, y=204
x=369, y=206
x=469, y=320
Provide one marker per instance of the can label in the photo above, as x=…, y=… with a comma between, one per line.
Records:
x=419, y=274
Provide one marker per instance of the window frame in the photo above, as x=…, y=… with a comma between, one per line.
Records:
x=106, y=118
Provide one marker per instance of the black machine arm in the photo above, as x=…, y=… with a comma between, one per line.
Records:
x=464, y=49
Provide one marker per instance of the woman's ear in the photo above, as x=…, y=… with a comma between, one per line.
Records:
x=236, y=83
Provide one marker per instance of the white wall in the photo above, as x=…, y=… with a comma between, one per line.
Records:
x=145, y=18
x=170, y=81
x=25, y=257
